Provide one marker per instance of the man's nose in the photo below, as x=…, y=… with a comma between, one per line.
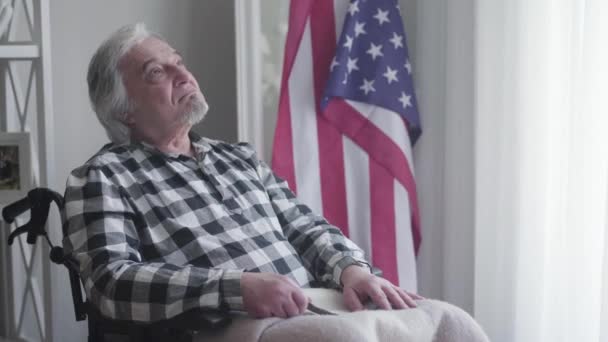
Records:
x=181, y=76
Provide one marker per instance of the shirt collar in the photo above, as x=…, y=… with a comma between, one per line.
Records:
x=200, y=145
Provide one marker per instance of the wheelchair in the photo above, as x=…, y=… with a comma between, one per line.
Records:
x=181, y=328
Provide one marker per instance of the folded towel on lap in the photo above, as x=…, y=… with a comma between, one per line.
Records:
x=432, y=321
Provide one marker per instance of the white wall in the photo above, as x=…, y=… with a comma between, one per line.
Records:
x=429, y=79
x=202, y=30
x=459, y=171
x=444, y=77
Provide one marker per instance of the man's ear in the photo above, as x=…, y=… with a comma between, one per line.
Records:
x=127, y=119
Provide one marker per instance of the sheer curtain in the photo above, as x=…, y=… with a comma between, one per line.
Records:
x=541, y=271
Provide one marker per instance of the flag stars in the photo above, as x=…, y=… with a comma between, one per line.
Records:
x=406, y=100
x=397, y=40
x=368, y=86
x=359, y=29
x=408, y=67
x=353, y=7
x=334, y=64
x=375, y=51
x=391, y=75
x=352, y=64
x=382, y=17
x=349, y=42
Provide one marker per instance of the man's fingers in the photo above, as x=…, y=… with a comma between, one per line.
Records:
x=407, y=298
x=382, y=293
x=351, y=299
x=278, y=311
x=395, y=298
x=290, y=309
x=300, y=300
x=379, y=298
x=266, y=295
x=261, y=313
x=415, y=296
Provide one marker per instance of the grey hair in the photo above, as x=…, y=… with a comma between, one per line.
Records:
x=107, y=91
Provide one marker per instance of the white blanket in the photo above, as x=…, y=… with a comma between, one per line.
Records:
x=431, y=321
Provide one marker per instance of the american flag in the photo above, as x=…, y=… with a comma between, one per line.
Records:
x=347, y=119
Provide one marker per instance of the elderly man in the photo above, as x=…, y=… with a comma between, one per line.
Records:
x=162, y=221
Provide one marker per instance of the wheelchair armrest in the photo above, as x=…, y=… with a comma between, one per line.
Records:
x=38, y=201
x=11, y=211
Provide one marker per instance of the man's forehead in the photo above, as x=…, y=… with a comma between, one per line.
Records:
x=148, y=49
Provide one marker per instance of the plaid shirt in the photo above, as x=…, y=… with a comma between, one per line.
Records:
x=158, y=234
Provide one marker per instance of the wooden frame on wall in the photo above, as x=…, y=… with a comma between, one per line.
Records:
x=15, y=166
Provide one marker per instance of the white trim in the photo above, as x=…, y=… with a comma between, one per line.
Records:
x=46, y=126
x=46, y=146
x=248, y=74
x=19, y=51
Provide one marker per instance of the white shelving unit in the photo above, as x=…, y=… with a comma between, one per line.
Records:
x=19, y=51
x=25, y=106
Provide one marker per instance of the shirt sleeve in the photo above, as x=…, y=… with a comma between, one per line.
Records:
x=102, y=237
x=324, y=250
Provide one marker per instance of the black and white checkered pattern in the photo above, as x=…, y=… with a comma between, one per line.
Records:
x=157, y=234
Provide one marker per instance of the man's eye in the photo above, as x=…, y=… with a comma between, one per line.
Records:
x=155, y=73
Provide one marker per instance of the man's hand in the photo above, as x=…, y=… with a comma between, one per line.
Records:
x=359, y=286
x=268, y=295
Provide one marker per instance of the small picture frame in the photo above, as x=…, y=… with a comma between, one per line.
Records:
x=15, y=166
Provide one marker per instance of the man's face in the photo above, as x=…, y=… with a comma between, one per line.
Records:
x=164, y=95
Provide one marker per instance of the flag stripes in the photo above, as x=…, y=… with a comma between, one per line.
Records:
x=350, y=161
